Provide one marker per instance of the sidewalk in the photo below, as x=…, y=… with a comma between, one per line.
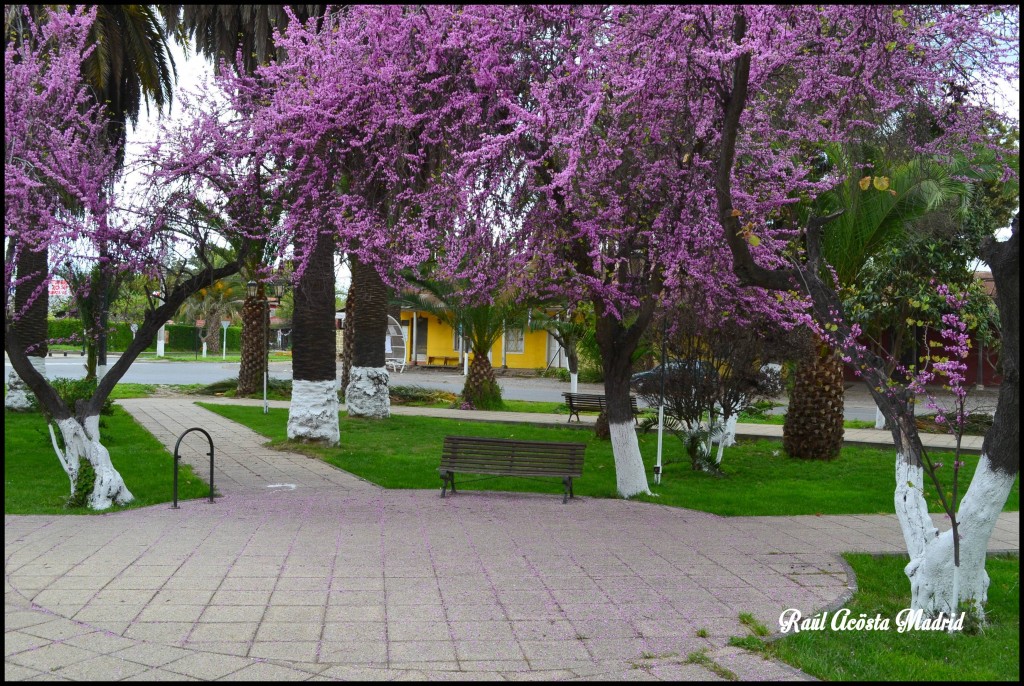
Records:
x=302, y=571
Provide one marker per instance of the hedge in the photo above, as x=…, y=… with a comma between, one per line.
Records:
x=181, y=337
x=120, y=333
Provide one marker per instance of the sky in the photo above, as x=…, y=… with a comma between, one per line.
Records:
x=191, y=73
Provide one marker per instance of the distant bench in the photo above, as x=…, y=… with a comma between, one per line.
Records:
x=444, y=359
x=506, y=457
x=591, y=402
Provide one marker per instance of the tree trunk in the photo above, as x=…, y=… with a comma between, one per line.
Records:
x=348, y=337
x=250, y=371
x=481, y=389
x=32, y=324
x=617, y=344
x=367, y=392
x=313, y=411
x=81, y=434
x=931, y=556
x=574, y=369
x=82, y=446
x=813, y=429
x=930, y=569
x=1000, y=462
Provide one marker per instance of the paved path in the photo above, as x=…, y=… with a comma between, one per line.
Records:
x=301, y=571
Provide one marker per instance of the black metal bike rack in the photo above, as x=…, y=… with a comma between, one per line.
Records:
x=178, y=457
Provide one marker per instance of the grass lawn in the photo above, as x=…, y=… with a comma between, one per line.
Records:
x=150, y=356
x=404, y=452
x=993, y=655
x=35, y=483
x=132, y=390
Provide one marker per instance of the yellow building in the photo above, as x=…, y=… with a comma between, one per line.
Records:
x=429, y=341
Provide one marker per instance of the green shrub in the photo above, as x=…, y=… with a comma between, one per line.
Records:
x=72, y=390
x=182, y=338
x=277, y=389
x=758, y=410
x=69, y=331
x=83, y=486
x=66, y=331
x=560, y=373
x=418, y=395
x=488, y=398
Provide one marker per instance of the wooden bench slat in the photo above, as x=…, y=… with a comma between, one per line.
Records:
x=497, y=469
x=522, y=466
x=593, y=402
x=530, y=456
x=509, y=457
x=539, y=463
x=532, y=463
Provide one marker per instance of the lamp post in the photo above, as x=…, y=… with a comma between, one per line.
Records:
x=159, y=334
x=661, y=404
x=272, y=289
x=224, y=324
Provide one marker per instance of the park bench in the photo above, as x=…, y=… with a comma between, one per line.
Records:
x=444, y=359
x=592, y=402
x=506, y=457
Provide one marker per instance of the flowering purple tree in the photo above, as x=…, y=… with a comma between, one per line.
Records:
x=362, y=110
x=793, y=76
x=59, y=180
x=597, y=169
x=628, y=144
x=950, y=368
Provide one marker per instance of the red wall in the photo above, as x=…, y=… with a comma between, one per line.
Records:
x=990, y=358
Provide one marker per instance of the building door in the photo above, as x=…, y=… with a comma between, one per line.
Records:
x=421, y=339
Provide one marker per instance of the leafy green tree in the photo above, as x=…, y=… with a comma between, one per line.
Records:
x=878, y=204
x=481, y=324
x=568, y=325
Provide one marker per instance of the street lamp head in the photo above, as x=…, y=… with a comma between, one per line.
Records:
x=251, y=289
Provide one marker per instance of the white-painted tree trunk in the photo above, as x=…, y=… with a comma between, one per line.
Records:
x=19, y=397
x=934, y=586
x=727, y=438
x=630, y=477
x=368, y=393
x=313, y=411
x=82, y=442
x=879, y=418
x=573, y=382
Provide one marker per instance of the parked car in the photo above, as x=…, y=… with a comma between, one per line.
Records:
x=646, y=382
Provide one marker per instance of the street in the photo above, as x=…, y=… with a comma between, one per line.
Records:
x=858, y=404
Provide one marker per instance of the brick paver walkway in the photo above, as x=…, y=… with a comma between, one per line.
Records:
x=303, y=571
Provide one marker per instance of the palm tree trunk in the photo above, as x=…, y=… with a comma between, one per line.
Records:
x=367, y=392
x=813, y=429
x=481, y=389
x=313, y=412
x=32, y=324
x=250, y=371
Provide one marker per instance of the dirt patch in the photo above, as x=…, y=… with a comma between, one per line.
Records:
x=167, y=391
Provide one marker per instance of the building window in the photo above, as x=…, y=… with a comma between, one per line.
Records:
x=513, y=340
